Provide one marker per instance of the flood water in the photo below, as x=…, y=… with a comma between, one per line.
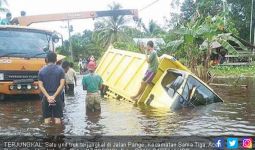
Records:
x=236, y=116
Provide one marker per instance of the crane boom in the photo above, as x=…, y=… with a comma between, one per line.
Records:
x=28, y=20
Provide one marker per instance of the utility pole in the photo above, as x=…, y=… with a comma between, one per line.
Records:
x=253, y=51
x=252, y=2
x=224, y=10
x=70, y=40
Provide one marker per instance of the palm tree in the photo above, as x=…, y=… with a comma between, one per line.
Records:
x=110, y=29
x=153, y=28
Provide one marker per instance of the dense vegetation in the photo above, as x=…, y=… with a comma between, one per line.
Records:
x=189, y=35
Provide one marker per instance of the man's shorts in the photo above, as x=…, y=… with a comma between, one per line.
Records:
x=93, y=102
x=70, y=90
x=52, y=111
x=149, y=75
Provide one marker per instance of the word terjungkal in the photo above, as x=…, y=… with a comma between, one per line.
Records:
x=23, y=145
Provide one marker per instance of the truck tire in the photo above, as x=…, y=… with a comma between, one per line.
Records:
x=2, y=97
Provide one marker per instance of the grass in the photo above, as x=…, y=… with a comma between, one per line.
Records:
x=233, y=70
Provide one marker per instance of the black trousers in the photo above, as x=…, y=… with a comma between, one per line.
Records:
x=52, y=110
x=70, y=90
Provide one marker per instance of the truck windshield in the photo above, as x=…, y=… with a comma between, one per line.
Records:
x=202, y=94
x=24, y=43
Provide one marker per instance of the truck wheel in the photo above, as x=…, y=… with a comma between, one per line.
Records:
x=2, y=97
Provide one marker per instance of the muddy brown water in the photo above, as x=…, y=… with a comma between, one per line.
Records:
x=236, y=116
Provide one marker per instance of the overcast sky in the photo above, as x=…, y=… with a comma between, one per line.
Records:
x=157, y=11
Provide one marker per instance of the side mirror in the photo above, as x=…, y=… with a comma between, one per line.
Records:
x=55, y=38
x=46, y=49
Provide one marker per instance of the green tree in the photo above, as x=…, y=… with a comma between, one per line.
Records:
x=83, y=45
x=201, y=31
x=188, y=9
x=110, y=29
x=187, y=42
x=152, y=30
x=240, y=14
x=237, y=14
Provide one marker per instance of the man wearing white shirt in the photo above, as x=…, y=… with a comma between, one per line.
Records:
x=70, y=77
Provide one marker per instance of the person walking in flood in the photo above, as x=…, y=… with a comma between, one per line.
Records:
x=92, y=83
x=51, y=83
x=70, y=77
x=80, y=64
x=152, y=60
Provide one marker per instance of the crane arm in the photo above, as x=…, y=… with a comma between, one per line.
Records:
x=28, y=20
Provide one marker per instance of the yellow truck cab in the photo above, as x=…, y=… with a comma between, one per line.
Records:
x=173, y=86
x=22, y=55
x=176, y=88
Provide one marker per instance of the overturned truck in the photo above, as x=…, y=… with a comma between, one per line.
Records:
x=173, y=87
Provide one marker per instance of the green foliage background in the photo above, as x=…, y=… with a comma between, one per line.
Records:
x=184, y=33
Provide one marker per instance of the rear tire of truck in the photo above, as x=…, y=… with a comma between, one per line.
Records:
x=2, y=97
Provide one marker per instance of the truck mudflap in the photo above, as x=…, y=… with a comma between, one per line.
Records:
x=122, y=73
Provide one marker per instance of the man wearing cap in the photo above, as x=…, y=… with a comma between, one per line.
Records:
x=92, y=83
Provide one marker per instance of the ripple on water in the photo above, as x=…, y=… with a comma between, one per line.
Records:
x=236, y=116
x=24, y=119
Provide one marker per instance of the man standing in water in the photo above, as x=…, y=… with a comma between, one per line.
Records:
x=71, y=80
x=92, y=83
x=152, y=60
x=51, y=83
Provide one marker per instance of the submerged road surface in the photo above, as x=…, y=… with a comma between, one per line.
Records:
x=236, y=116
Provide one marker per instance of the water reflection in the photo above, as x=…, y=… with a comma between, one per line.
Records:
x=236, y=116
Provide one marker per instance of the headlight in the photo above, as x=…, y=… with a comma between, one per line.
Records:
x=1, y=76
x=19, y=87
x=36, y=87
x=11, y=87
x=29, y=87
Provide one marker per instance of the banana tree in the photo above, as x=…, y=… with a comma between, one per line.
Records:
x=187, y=44
x=192, y=37
x=212, y=29
x=223, y=40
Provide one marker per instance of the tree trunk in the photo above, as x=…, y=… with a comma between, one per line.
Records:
x=207, y=64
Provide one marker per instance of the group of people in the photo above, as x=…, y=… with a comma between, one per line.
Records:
x=218, y=56
x=8, y=19
x=83, y=63
x=53, y=78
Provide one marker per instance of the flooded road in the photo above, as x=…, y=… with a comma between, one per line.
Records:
x=236, y=116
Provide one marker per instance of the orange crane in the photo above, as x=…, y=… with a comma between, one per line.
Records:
x=28, y=20
x=22, y=56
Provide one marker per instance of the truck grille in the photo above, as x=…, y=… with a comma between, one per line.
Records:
x=17, y=75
